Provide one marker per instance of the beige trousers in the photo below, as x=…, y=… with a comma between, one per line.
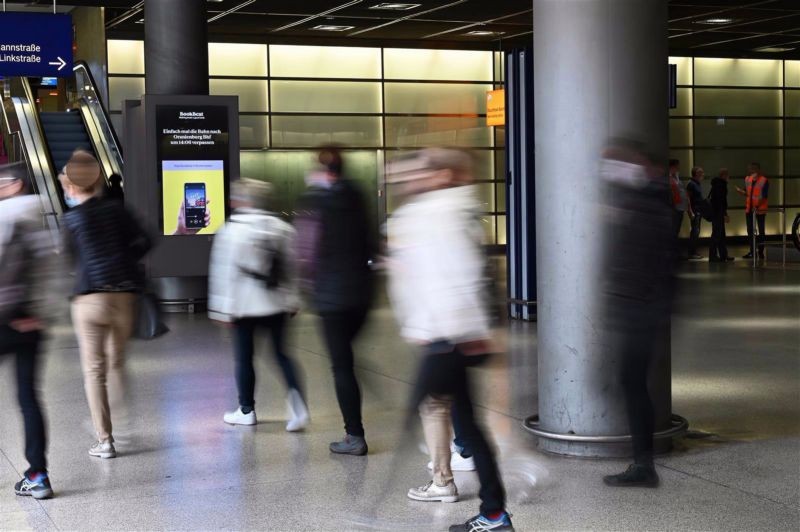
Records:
x=436, y=423
x=103, y=323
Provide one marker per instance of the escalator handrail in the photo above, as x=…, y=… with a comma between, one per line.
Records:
x=82, y=65
x=26, y=86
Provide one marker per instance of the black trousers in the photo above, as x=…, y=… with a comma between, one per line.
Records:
x=677, y=222
x=718, y=248
x=637, y=352
x=761, y=220
x=25, y=346
x=244, y=349
x=443, y=371
x=694, y=235
x=339, y=329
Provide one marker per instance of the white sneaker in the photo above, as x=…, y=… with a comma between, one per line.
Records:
x=237, y=417
x=298, y=412
x=103, y=449
x=433, y=493
x=458, y=463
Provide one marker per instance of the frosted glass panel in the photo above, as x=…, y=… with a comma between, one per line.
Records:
x=464, y=65
x=489, y=224
x=792, y=162
x=793, y=103
x=792, y=133
x=312, y=131
x=324, y=62
x=431, y=131
x=738, y=72
x=793, y=73
x=684, y=66
x=125, y=57
x=252, y=93
x=684, y=107
x=326, y=97
x=680, y=132
x=737, y=160
x=792, y=192
x=436, y=98
x=733, y=102
x=254, y=131
x=500, y=194
x=724, y=132
x=232, y=59
x=121, y=89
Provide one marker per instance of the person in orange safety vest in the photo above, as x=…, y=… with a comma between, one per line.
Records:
x=756, y=193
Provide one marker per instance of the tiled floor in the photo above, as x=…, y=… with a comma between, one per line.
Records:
x=736, y=377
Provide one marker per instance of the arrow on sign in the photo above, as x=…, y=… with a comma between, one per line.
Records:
x=60, y=63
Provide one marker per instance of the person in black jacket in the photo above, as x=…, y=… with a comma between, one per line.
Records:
x=106, y=244
x=697, y=207
x=718, y=251
x=335, y=247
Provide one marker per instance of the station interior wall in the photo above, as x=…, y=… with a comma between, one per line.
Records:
x=382, y=101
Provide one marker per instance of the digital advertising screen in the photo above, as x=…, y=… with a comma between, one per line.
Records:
x=193, y=161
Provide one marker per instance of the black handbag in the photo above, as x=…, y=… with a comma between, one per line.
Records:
x=148, y=318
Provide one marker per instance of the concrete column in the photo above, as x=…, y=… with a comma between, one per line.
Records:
x=176, y=47
x=600, y=70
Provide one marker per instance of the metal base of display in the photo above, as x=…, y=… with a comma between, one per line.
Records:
x=601, y=446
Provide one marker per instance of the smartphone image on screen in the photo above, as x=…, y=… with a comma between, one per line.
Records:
x=194, y=201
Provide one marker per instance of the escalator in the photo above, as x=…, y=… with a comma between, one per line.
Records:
x=44, y=141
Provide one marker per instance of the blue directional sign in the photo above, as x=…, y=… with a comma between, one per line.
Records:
x=35, y=45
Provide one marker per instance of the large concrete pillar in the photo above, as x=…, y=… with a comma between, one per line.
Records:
x=175, y=47
x=600, y=70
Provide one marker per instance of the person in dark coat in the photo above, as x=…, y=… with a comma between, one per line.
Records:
x=335, y=247
x=718, y=198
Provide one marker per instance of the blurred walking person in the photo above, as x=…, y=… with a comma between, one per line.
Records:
x=756, y=193
x=25, y=252
x=438, y=290
x=697, y=208
x=106, y=244
x=636, y=272
x=718, y=199
x=335, y=247
x=680, y=201
x=252, y=286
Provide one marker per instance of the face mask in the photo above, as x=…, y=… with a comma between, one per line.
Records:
x=70, y=201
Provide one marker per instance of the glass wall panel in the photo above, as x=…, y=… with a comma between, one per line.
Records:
x=234, y=59
x=500, y=194
x=432, y=131
x=792, y=137
x=254, y=131
x=686, y=158
x=724, y=132
x=684, y=66
x=326, y=97
x=401, y=63
x=684, y=107
x=121, y=89
x=436, y=98
x=792, y=162
x=791, y=194
x=484, y=192
x=738, y=72
x=793, y=73
x=252, y=93
x=737, y=160
x=680, y=132
x=324, y=62
x=312, y=131
x=737, y=102
x=489, y=224
x=793, y=103
x=501, y=230
x=125, y=57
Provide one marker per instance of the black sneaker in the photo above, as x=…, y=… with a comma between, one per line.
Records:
x=636, y=476
x=480, y=523
x=36, y=486
x=354, y=445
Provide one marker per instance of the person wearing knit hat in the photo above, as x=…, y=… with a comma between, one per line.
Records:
x=105, y=243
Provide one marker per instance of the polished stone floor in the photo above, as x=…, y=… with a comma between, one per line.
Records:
x=736, y=367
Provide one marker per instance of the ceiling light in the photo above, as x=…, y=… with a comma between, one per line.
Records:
x=715, y=21
x=393, y=6
x=216, y=1
x=774, y=49
x=484, y=33
x=331, y=27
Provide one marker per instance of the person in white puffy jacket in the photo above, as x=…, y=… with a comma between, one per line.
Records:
x=253, y=285
x=437, y=287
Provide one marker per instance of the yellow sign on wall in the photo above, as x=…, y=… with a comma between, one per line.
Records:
x=496, y=107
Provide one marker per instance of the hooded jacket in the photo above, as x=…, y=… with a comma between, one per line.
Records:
x=242, y=257
x=26, y=255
